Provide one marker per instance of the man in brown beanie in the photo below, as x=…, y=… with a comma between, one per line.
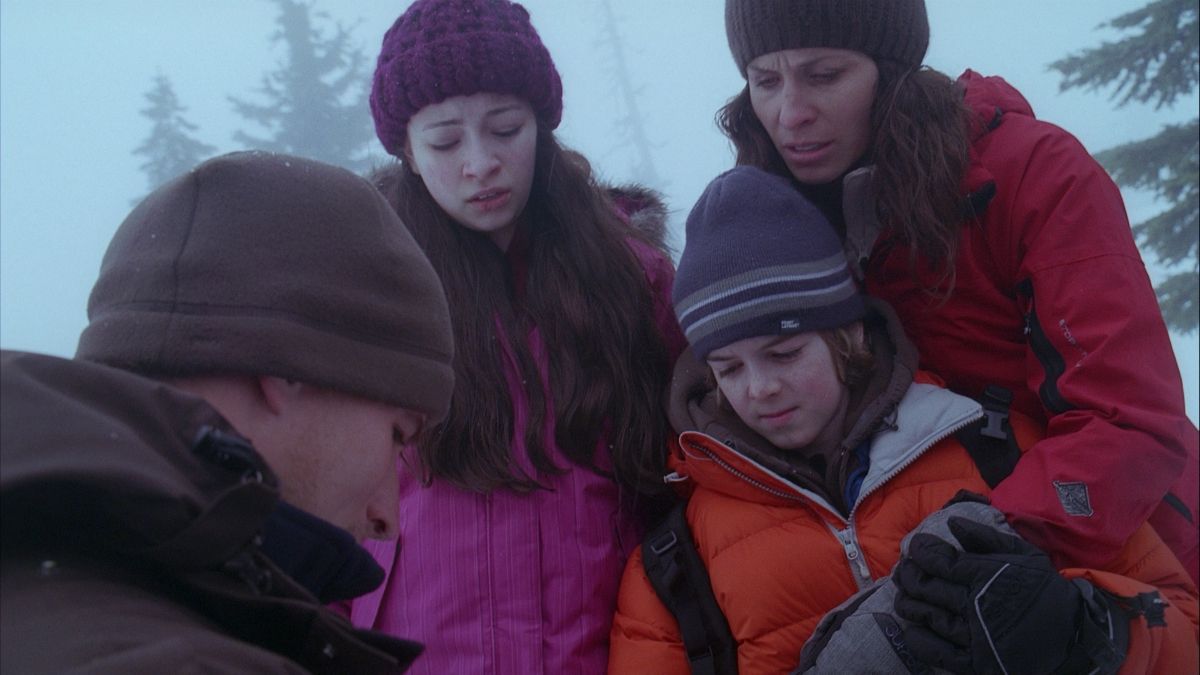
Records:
x=189, y=492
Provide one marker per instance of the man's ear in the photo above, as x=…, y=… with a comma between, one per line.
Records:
x=277, y=393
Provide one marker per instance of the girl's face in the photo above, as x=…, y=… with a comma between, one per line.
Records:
x=476, y=156
x=815, y=104
x=785, y=387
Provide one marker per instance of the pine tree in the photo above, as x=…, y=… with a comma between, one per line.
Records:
x=169, y=149
x=315, y=102
x=631, y=130
x=1158, y=65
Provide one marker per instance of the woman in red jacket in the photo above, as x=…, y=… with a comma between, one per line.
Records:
x=813, y=446
x=1004, y=248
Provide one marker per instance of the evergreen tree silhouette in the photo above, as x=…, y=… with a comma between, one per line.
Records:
x=1157, y=64
x=631, y=130
x=314, y=104
x=170, y=149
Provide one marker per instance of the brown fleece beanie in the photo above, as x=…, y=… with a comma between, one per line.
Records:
x=895, y=30
x=262, y=264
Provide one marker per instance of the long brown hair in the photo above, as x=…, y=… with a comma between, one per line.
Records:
x=919, y=147
x=587, y=295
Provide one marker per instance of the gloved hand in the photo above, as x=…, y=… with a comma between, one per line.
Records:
x=864, y=634
x=998, y=606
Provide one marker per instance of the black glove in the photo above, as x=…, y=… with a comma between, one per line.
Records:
x=998, y=606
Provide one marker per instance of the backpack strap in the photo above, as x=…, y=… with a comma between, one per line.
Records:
x=681, y=581
x=990, y=442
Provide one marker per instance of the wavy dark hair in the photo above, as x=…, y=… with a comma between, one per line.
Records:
x=852, y=358
x=587, y=295
x=920, y=141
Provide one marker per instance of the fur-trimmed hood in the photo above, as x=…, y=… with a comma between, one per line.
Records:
x=644, y=209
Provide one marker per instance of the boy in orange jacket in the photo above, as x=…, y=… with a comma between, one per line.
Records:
x=812, y=446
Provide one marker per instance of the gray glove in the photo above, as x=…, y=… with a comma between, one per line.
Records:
x=864, y=634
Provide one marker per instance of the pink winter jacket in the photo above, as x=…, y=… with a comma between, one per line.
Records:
x=513, y=583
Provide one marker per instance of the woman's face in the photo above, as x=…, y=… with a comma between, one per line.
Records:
x=815, y=104
x=476, y=156
x=785, y=387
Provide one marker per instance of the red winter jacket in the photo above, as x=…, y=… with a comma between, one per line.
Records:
x=1051, y=300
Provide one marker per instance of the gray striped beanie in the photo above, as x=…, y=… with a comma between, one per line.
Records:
x=759, y=259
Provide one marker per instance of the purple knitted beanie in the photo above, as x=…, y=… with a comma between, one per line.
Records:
x=438, y=49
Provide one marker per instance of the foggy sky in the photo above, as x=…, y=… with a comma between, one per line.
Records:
x=73, y=74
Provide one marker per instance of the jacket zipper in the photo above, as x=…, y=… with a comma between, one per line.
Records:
x=850, y=544
x=1052, y=362
x=912, y=458
x=743, y=476
x=854, y=554
x=846, y=537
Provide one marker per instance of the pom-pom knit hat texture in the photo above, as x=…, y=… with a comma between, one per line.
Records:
x=438, y=49
x=759, y=259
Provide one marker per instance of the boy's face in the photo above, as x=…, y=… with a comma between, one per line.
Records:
x=785, y=387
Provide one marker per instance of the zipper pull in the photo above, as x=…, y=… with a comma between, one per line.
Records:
x=1025, y=289
x=858, y=565
x=851, y=551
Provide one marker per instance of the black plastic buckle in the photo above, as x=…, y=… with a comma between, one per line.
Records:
x=1153, y=607
x=996, y=402
x=664, y=543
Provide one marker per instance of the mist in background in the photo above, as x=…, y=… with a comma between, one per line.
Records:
x=74, y=74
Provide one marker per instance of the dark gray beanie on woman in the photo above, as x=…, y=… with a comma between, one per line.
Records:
x=895, y=30
x=759, y=259
x=262, y=264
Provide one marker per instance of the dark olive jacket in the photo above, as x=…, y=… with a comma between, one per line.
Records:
x=131, y=517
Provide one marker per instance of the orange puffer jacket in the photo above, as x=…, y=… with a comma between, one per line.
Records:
x=781, y=556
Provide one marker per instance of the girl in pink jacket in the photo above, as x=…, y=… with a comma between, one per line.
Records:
x=523, y=506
